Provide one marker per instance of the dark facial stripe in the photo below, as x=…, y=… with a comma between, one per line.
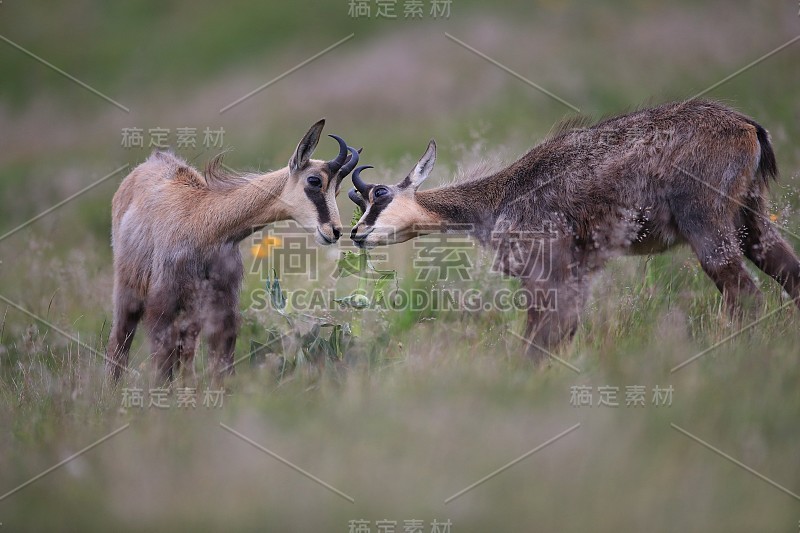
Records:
x=375, y=211
x=318, y=199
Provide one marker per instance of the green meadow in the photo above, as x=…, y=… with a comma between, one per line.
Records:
x=665, y=416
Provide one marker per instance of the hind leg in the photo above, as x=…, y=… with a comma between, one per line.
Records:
x=772, y=254
x=128, y=309
x=721, y=258
x=708, y=221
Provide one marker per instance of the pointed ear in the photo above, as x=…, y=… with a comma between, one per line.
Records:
x=423, y=167
x=306, y=147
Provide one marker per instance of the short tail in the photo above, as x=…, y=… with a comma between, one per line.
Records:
x=767, y=165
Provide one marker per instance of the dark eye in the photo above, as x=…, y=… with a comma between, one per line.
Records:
x=314, y=181
x=380, y=191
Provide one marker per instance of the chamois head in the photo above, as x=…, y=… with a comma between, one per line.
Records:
x=309, y=195
x=392, y=213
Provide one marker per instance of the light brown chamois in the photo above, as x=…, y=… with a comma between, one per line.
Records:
x=693, y=172
x=175, y=235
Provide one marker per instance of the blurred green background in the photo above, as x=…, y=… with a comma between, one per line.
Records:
x=426, y=403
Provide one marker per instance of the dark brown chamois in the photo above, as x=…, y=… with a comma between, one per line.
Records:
x=175, y=234
x=693, y=172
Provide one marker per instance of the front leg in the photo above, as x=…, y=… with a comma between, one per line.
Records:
x=164, y=347
x=221, y=310
x=161, y=314
x=553, y=315
x=188, y=333
x=221, y=337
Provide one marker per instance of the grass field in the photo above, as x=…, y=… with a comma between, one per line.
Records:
x=396, y=420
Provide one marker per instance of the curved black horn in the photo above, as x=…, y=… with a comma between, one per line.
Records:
x=362, y=186
x=350, y=164
x=335, y=164
x=357, y=199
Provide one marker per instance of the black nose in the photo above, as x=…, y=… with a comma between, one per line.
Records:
x=353, y=233
x=336, y=233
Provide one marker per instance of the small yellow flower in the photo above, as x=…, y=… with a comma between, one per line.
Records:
x=773, y=217
x=262, y=249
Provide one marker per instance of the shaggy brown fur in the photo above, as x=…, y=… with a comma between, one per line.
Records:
x=691, y=172
x=175, y=235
